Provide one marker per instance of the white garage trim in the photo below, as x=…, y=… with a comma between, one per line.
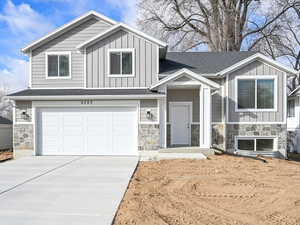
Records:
x=86, y=97
x=38, y=105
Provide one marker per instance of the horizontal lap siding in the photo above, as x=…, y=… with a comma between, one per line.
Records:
x=145, y=62
x=257, y=68
x=66, y=42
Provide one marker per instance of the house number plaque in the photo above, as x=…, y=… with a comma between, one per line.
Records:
x=86, y=102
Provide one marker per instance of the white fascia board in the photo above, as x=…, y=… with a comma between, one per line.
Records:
x=67, y=25
x=188, y=73
x=258, y=56
x=294, y=91
x=116, y=28
x=84, y=97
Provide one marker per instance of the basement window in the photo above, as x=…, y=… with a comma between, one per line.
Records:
x=255, y=144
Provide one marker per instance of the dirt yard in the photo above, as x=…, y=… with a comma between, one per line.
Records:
x=5, y=155
x=222, y=190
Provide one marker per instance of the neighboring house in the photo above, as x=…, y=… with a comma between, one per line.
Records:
x=98, y=87
x=293, y=121
x=6, y=134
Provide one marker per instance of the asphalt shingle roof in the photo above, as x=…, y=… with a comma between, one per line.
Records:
x=55, y=92
x=5, y=121
x=201, y=62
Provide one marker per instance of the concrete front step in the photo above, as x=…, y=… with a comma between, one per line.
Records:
x=163, y=156
x=156, y=155
x=187, y=150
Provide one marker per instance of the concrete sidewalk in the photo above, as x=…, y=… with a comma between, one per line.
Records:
x=63, y=190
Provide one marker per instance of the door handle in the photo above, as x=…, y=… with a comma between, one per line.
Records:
x=188, y=125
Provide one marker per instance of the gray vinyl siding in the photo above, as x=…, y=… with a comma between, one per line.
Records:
x=185, y=95
x=65, y=42
x=145, y=62
x=216, y=106
x=257, y=68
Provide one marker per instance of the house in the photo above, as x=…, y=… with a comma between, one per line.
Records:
x=6, y=132
x=293, y=120
x=99, y=87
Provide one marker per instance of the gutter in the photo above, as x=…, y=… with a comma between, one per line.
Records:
x=86, y=97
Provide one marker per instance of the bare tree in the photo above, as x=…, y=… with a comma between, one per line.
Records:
x=216, y=25
x=6, y=105
x=282, y=41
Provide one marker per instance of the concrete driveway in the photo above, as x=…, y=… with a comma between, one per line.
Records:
x=63, y=190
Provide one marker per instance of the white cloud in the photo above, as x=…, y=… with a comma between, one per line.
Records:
x=128, y=10
x=23, y=20
x=23, y=25
x=15, y=75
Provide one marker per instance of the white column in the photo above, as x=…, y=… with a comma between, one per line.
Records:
x=205, y=117
x=163, y=119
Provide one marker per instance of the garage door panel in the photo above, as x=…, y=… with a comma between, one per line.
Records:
x=88, y=131
x=51, y=144
x=124, y=127
x=73, y=144
x=72, y=124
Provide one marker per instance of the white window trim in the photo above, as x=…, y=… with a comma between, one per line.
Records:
x=70, y=67
x=237, y=138
x=262, y=77
x=121, y=50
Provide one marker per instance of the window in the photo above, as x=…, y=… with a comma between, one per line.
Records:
x=291, y=108
x=256, y=94
x=58, y=65
x=121, y=62
x=255, y=144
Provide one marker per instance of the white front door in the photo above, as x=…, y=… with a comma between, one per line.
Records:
x=180, y=120
x=87, y=131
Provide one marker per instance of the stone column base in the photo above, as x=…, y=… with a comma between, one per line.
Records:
x=22, y=153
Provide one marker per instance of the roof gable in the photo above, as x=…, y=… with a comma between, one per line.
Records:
x=260, y=57
x=187, y=74
x=115, y=28
x=66, y=27
x=294, y=92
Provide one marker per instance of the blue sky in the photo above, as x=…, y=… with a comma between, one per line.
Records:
x=22, y=21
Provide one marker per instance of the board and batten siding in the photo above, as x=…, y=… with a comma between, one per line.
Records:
x=145, y=62
x=216, y=103
x=257, y=68
x=65, y=42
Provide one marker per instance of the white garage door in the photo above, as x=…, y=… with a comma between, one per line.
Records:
x=87, y=131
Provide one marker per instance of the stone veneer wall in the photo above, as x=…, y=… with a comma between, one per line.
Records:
x=23, y=107
x=23, y=137
x=149, y=137
x=195, y=129
x=218, y=136
x=292, y=136
x=168, y=135
x=278, y=130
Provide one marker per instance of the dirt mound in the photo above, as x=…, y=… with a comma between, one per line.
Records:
x=222, y=190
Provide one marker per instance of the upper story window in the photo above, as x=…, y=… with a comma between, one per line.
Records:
x=291, y=108
x=121, y=62
x=256, y=94
x=58, y=65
